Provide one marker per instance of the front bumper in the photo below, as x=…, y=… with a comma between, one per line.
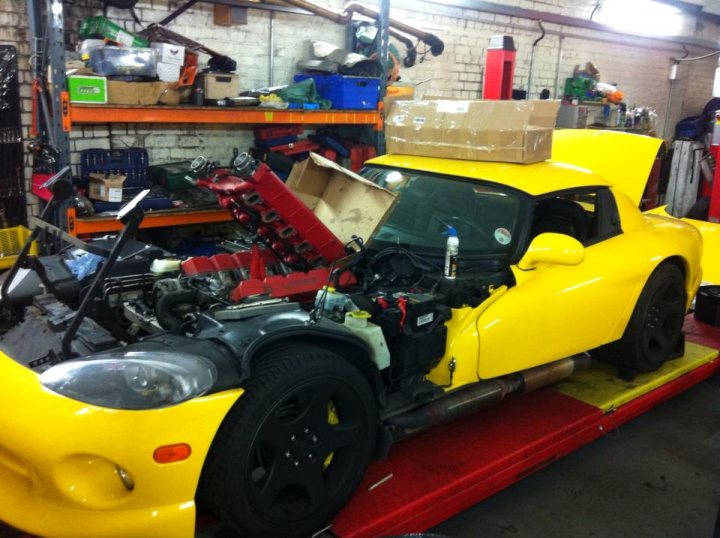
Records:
x=59, y=458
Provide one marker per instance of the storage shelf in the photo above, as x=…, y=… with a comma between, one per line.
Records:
x=153, y=219
x=85, y=114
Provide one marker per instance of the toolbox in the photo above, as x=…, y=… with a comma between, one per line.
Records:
x=707, y=305
x=129, y=162
x=269, y=133
x=347, y=93
x=272, y=143
x=172, y=176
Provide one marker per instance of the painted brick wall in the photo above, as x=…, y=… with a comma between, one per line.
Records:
x=639, y=66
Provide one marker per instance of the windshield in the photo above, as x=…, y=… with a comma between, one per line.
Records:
x=485, y=215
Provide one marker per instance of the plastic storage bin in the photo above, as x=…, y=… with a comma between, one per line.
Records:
x=125, y=61
x=11, y=243
x=347, y=93
x=130, y=162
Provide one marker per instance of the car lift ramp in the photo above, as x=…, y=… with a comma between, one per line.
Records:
x=438, y=473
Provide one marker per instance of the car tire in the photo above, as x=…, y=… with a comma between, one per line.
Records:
x=654, y=331
x=294, y=447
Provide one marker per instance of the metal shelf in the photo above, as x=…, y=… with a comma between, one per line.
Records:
x=153, y=219
x=85, y=114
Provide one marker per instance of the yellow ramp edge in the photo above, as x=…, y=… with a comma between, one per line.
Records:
x=600, y=386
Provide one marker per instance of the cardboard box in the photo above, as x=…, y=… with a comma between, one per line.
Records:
x=141, y=93
x=220, y=85
x=108, y=188
x=168, y=72
x=506, y=131
x=397, y=92
x=169, y=54
x=84, y=89
x=346, y=203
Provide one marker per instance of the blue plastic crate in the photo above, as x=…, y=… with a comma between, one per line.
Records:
x=347, y=93
x=130, y=162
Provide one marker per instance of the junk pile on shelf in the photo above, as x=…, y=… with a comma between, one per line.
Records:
x=588, y=102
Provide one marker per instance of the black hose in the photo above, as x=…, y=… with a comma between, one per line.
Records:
x=435, y=43
x=164, y=308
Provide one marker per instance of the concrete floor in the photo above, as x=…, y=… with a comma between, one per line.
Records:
x=657, y=476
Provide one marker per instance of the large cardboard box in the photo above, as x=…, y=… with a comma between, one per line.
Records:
x=108, y=188
x=142, y=93
x=345, y=202
x=507, y=131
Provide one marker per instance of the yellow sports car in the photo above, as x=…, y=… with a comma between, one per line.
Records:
x=139, y=391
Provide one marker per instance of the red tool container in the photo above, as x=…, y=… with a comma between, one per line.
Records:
x=268, y=133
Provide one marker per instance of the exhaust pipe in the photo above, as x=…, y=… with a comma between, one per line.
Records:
x=483, y=394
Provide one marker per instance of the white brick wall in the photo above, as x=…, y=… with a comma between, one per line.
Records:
x=639, y=66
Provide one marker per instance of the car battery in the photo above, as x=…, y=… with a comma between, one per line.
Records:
x=707, y=305
x=421, y=310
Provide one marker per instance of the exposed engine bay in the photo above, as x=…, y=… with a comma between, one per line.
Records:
x=293, y=279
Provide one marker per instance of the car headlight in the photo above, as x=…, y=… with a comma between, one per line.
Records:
x=132, y=379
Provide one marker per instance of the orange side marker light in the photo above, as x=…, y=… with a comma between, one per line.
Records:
x=172, y=453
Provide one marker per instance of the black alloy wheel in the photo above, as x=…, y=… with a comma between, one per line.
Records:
x=295, y=446
x=654, y=332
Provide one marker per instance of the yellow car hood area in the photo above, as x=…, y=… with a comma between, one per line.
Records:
x=59, y=462
x=623, y=159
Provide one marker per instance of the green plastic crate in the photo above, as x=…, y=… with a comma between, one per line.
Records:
x=104, y=27
x=172, y=175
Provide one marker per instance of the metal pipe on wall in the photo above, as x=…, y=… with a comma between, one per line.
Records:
x=271, y=47
x=556, y=90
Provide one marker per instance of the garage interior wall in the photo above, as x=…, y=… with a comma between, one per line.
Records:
x=640, y=66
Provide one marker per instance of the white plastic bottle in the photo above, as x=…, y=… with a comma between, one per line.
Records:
x=451, y=253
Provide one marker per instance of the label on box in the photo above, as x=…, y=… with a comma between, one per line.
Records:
x=114, y=194
x=425, y=319
x=453, y=107
x=419, y=120
x=168, y=72
x=125, y=38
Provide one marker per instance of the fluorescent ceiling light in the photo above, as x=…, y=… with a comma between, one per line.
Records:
x=646, y=17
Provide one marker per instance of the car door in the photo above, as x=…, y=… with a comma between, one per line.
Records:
x=555, y=311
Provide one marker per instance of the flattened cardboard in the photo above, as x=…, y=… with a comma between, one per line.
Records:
x=108, y=188
x=345, y=202
x=506, y=131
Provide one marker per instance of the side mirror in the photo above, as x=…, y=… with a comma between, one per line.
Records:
x=557, y=249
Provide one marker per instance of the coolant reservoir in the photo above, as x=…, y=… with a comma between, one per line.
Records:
x=159, y=267
x=334, y=300
x=372, y=334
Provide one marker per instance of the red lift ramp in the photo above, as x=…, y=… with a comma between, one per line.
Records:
x=445, y=470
